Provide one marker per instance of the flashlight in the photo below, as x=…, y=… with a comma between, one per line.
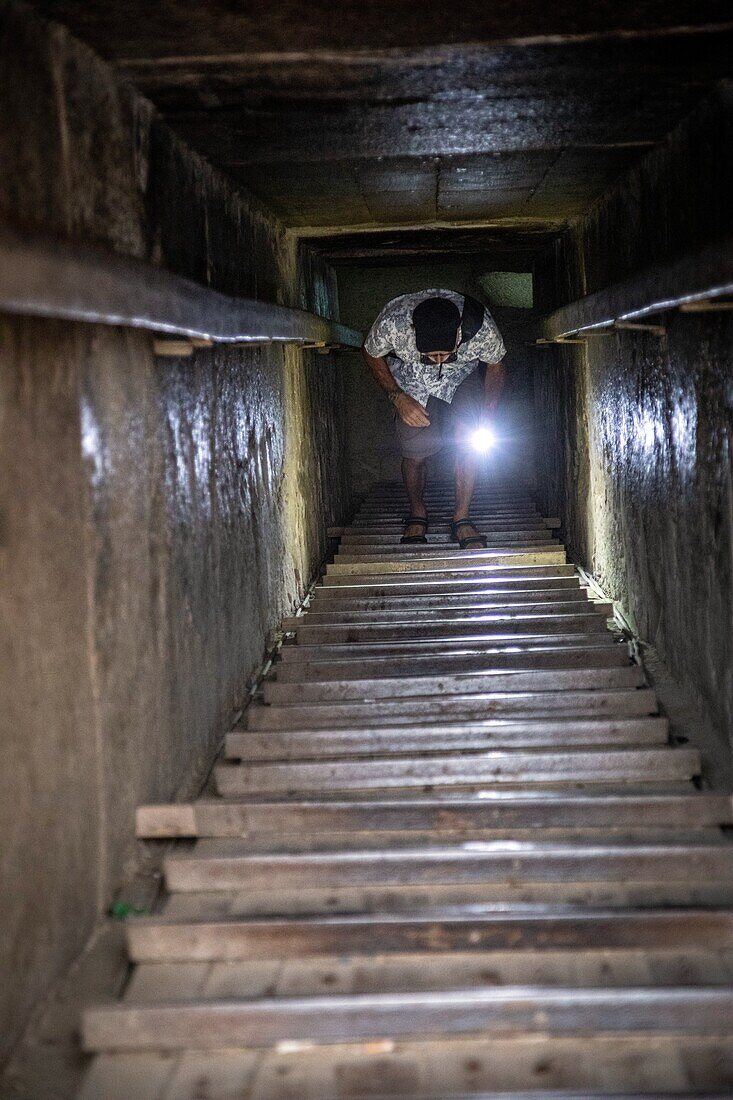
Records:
x=483, y=439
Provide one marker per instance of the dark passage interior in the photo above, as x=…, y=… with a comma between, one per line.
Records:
x=203, y=208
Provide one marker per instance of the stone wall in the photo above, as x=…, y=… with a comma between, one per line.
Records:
x=157, y=516
x=638, y=429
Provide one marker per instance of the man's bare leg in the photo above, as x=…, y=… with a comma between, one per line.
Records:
x=414, y=474
x=466, y=470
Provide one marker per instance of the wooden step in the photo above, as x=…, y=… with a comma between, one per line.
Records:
x=473, y=569
x=428, y=551
x=660, y=1067
x=440, y=516
x=482, y=574
x=390, y=536
x=311, y=899
x=208, y=1025
x=442, y=508
x=223, y=864
x=387, y=551
x=452, y=812
x=332, y=599
x=539, y=657
x=208, y=936
x=477, y=610
x=474, y=706
x=450, y=559
x=271, y=971
x=394, y=687
x=459, y=737
x=443, y=504
x=445, y=583
x=496, y=767
x=470, y=645
x=487, y=626
x=454, y=852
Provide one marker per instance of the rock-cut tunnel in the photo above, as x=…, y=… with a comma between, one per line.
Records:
x=290, y=808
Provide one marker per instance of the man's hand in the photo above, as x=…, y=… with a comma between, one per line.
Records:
x=411, y=411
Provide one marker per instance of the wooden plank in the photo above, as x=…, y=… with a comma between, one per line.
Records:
x=128, y=1076
x=473, y=929
x=448, y=583
x=452, y=683
x=415, y=897
x=393, y=525
x=487, y=626
x=390, y=534
x=217, y=1075
x=439, y=519
x=497, y=809
x=329, y=599
x=310, y=744
x=363, y=668
x=473, y=559
x=448, y=559
x=394, y=687
x=706, y=273
x=476, y=706
x=387, y=553
x=447, y=612
x=71, y=280
x=444, y=495
x=386, y=543
x=338, y=1019
x=413, y=970
x=441, y=508
x=467, y=769
x=472, y=571
x=223, y=864
x=600, y=1067
x=471, y=645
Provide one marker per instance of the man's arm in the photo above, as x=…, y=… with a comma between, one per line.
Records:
x=493, y=385
x=409, y=410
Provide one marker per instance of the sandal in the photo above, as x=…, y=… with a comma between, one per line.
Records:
x=410, y=540
x=468, y=542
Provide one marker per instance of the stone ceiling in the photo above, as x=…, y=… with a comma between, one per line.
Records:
x=354, y=118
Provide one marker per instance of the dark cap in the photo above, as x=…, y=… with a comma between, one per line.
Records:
x=436, y=322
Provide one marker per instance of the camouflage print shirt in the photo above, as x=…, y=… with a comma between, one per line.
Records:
x=392, y=337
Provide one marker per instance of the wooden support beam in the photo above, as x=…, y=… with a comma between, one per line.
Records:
x=77, y=282
x=702, y=276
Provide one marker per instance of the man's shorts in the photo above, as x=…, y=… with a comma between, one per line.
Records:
x=447, y=421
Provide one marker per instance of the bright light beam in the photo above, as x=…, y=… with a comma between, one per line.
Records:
x=483, y=439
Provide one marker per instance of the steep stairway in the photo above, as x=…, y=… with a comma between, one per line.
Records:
x=452, y=852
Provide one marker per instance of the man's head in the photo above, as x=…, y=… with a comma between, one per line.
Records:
x=436, y=322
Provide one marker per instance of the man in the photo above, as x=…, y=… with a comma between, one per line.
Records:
x=425, y=351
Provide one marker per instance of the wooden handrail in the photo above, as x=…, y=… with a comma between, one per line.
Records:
x=704, y=276
x=78, y=282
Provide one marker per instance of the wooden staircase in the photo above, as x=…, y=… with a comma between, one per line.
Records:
x=452, y=852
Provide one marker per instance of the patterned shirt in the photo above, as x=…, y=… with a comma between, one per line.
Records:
x=392, y=337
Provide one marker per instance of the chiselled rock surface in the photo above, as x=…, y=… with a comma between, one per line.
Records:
x=158, y=516
x=636, y=448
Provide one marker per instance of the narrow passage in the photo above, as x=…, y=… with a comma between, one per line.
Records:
x=451, y=851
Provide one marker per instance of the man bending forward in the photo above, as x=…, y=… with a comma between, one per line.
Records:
x=425, y=351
